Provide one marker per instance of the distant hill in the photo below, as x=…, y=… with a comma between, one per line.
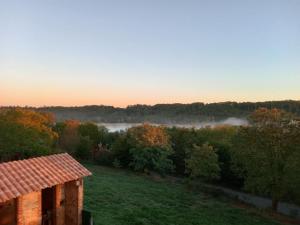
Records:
x=167, y=113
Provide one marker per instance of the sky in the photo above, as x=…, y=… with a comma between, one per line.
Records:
x=116, y=52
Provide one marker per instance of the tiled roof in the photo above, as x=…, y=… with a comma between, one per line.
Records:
x=24, y=176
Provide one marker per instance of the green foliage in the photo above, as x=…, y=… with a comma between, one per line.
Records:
x=117, y=163
x=25, y=133
x=151, y=159
x=266, y=154
x=120, y=149
x=104, y=157
x=181, y=140
x=42, y=122
x=136, y=147
x=203, y=163
x=220, y=137
x=84, y=147
x=90, y=130
x=69, y=137
x=109, y=137
x=81, y=139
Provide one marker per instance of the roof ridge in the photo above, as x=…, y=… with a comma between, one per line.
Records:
x=48, y=171
x=38, y=157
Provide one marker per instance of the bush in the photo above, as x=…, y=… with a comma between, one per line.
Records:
x=104, y=157
x=151, y=159
x=117, y=163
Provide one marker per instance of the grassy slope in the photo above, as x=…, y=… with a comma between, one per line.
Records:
x=121, y=198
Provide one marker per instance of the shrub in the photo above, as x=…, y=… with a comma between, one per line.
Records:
x=203, y=163
x=104, y=157
x=117, y=163
x=151, y=159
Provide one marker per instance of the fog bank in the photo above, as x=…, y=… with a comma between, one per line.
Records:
x=112, y=127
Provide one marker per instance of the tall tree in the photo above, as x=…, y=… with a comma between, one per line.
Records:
x=69, y=136
x=25, y=133
x=267, y=153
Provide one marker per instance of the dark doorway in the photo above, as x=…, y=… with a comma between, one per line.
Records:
x=8, y=212
x=48, y=209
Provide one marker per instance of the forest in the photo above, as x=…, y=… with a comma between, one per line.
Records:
x=262, y=158
x=167, y=113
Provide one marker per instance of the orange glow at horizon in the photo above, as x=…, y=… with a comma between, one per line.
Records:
x=39, y=97
x=18, y=90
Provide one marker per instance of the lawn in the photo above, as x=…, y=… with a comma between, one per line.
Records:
x=117, y=197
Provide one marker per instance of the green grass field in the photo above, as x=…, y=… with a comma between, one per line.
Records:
x=117, y=197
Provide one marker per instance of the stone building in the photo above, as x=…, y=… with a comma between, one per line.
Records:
x=45, y=190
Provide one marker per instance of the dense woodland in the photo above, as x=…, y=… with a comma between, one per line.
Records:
x=168, y=113
x=262, y=158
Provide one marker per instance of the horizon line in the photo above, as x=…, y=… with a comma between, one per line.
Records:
x=141, y=104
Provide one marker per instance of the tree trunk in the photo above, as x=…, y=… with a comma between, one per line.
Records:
x=275, y=204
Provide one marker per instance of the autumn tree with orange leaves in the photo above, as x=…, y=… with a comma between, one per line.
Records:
x=25, y=133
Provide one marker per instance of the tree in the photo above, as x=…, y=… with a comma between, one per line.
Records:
x=90, y=130
x=42, y=122
x=144, y=148
x=266, y=154
x=25, y=133
x=84, y=148
x=69, y=137
x=151, y=159
x=220, y=138
x=147, y=135
x=203, y=163
x=181, y=140
x=120, y=149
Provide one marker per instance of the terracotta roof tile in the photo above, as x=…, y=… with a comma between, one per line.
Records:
x=24, y=176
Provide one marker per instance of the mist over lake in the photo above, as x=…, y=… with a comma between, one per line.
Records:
x=113, y=127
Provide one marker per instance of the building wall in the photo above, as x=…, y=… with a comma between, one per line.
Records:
x=8, y=212
x=60, y=204
x=74, y=202
x=29, y=209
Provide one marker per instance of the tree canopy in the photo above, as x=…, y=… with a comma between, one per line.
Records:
x=267, y=153
x=25, y=133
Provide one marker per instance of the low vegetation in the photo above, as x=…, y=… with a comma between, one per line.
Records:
x=121, y=197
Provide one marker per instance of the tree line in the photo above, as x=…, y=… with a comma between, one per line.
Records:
x=262, y=158
x=167, y=113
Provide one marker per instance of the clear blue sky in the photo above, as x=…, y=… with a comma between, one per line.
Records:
x=116, y=52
